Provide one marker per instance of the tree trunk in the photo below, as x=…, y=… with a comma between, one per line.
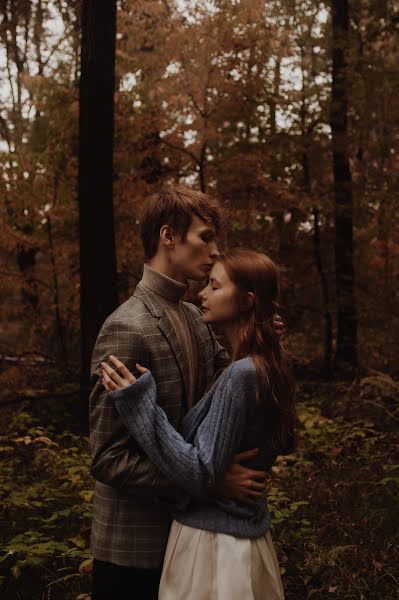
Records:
x=277, y=213
x=328, y=323
x=59, y=324
x=98, y=289
x=346, y=351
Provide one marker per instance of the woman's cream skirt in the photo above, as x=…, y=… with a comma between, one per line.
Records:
x=202, y=565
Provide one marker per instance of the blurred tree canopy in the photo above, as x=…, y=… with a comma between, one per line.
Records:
x=288, y=111
x=232, y=97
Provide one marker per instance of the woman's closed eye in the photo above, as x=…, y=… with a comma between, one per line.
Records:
x=208, y=237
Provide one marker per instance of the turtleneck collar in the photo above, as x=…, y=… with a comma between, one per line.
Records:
x=163, y=285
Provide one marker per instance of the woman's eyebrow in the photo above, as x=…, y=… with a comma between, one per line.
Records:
x=213, y=280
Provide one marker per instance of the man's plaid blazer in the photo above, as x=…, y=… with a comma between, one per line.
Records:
x=131, y=519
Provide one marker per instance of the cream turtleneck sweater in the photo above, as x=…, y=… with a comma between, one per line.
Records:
x=169, y=294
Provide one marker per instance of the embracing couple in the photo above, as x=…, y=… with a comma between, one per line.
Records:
x=182, y=432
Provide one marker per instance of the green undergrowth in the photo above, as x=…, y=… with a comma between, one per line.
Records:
x=46, y=505
x=334, y=502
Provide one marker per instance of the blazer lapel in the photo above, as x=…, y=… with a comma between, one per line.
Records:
x=166, y=328
x=168, y=331
x=155, y=308
x=204, y=352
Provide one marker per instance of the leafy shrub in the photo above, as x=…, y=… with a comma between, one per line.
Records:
x=45, y=495
x=334, y=502
x=340, y=539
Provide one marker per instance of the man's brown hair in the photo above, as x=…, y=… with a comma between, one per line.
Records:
x=175, y=206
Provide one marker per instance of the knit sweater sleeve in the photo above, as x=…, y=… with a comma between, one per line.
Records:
x=193, y=466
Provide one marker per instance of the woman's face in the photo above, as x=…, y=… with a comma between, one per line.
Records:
x=220, y=298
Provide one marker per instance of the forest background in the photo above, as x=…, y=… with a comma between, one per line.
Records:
x=286, y=110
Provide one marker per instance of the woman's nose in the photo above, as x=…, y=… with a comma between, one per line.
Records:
x=202, y=294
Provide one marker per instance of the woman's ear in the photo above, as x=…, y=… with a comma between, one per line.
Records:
x=166, y=236
x=251, y=299
x=247, y=301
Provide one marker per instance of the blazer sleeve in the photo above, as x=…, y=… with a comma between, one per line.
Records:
x=117, y=459
x=193, y=466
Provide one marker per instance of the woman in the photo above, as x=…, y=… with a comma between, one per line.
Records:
x=220, y=548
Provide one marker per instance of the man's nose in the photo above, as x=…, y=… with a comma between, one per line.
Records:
x=214, y=251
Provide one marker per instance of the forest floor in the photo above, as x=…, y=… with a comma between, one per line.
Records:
x=334, y=502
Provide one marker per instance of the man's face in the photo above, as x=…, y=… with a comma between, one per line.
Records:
x=194, y=256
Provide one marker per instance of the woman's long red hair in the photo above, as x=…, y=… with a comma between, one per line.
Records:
x=253, y=272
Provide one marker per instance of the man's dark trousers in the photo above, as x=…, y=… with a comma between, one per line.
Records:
x=113, y=582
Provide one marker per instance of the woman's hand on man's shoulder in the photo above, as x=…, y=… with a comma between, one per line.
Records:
x=118, y=379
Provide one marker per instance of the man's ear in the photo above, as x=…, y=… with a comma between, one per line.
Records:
x=166, y=236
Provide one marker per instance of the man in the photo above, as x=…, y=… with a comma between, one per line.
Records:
x=156, y=329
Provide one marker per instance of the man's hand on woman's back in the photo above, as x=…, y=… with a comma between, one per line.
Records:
x=240, y=483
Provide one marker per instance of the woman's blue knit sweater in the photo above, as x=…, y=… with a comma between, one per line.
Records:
x=225, y=421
